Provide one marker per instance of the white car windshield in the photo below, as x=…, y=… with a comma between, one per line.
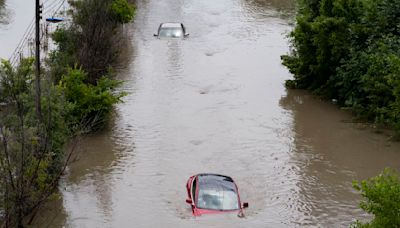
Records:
x=171, y=32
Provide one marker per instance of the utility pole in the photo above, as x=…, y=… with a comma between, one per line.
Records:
x=37, y=58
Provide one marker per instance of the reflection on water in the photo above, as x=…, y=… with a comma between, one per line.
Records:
x=259, y=9
x=51, y=213
x=328, y=154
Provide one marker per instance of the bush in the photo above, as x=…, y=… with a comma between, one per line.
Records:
x=349, y=50
x=93, y=39
x=87, y=50
x=32, y=158
x=122, y=11
x=31, y=153
x=382, y=199
x=89, y=104
x=368, y=81
x=321, y=39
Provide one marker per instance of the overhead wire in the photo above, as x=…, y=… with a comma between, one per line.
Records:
x=22, y=42
x=59, y=7
x=51, y=5
x=45, y=1
x=51, y=9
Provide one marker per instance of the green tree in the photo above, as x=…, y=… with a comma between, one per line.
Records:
x=122, y=11
x=321, y=40
x=381, y=198
x=93, y=39
x=348, y=50
x=31, y=155
x=367, y=81
x=87, y=50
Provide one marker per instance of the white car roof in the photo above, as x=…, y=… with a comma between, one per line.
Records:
x=171, y=25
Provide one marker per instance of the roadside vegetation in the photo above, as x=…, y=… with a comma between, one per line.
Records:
x=349, y=50
x=78, y=94
x=381, y=198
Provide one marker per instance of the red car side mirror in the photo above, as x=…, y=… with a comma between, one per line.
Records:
x=245, y=205
x=189, y=201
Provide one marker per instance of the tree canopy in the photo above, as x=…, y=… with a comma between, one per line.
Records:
x=349, y=50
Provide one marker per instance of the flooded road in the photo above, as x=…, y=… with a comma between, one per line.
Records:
x=215, y=102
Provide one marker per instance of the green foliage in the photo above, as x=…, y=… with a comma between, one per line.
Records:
x=30, y=150
x=381, y=198
x=90, y=104
x=122, y=11
x=73, y=99
x=368, y=80
x=87, y=50
x=93, y=39
x=348, y=50
x=320, y=40
x=66, y=54
x=15, y=82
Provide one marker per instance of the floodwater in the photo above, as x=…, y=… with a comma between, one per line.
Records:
x=216, y=103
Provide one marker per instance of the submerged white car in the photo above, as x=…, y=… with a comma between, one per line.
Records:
x=171, y=30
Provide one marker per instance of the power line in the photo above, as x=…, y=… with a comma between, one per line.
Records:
x=27, y=35
x=45, y=2
x=55, y=7
x=52, y=5
x=52, y=9
x=59, y=7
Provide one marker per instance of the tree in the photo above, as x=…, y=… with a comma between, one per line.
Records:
x=321, y=40
x=31, y=154
x=348, y=50
x=93, y=40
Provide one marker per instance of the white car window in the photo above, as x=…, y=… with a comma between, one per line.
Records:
x=171, y=32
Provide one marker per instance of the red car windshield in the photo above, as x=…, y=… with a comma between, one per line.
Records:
x=217, y=193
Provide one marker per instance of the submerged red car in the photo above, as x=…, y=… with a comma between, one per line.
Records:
x=213, y=194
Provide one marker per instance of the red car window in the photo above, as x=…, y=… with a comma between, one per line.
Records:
x=217, y=192
x=194, y=189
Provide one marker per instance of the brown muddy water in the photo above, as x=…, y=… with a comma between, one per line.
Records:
x=215, y=102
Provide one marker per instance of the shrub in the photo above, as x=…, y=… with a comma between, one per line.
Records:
x=349, y=50
x=122, y=11
x=381, y=198
x=31, y=153
x=93, y=39
x=89, y=104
